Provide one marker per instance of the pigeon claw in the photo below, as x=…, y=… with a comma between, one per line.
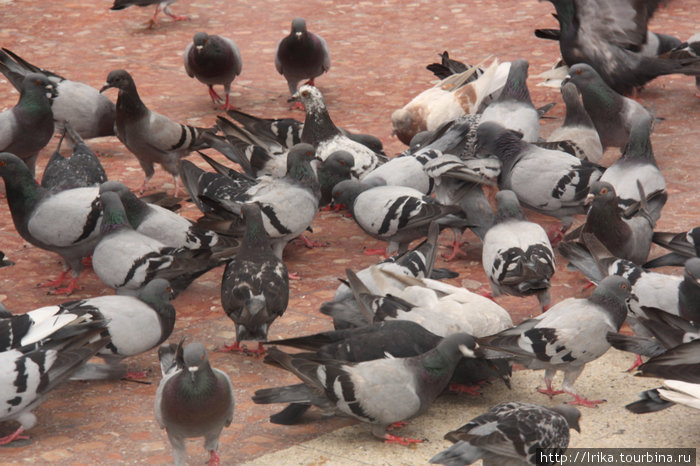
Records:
x=68, y=290
x=16, y=435
x=389, y=438
x=549, y=391
x=581, y=401
x=456, y=251
x=637, y=362
x=311, y=244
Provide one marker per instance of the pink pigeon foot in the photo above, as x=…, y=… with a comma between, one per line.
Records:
x=549, y=391
x=214, y=459
x=397, y=425
x=470, y=390
x=388, y=438
x=637, y=362
x=312, y=244
x=374, y=252
x=68, y=290
x=16, y=435
x=581, y=401
x=57, y=282
x=214, y=96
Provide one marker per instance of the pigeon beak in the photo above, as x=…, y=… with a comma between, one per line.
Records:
x=105, y=87
x=566, y=79
x=466, y=351
x=199, y=47
x=298, y=35
x=295, y=98
x=589, y=199
x=51, y=91
x=192, y=370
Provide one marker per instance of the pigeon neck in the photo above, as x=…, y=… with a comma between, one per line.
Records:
x=318, y=125
x=516, y=89
x=34, y=101
x=576, y=115
x=304, y=174
x=599, y=98
x=136, y=210
x=129, y=103
x=689, y=298
x=509, y=212
x=603, y=216
x=255, y=240
x=616, y=308
x=114, y=219
x=639, y=146
x=23, y=195
x=508, y=147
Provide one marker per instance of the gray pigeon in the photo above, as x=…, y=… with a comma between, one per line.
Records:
x=127, y=260
x=567, y=336
x=551, y=182
x=88, y=112
x=255, y=284
x=320, y=131
x=81, y=169
x=28, y=126
x=637, y=165
x=67, y=223
x=626, y=238
x=513, y=109
x=577, y=131
x=166, y=226
x=151, y=137
x=301, y=55
x=379, y=392
x=213, y=60
x=28, y=377
x=612, y=37
x=195, y=400
x=163, y=5
x=613, y=114
x=336, y=168
x=395, y=214
x=511, y=433
x=517, y=256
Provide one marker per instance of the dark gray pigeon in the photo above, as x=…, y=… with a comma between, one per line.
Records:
x=166, y=226
x=517, y=256
x=163, y=5
x=28, y=126
x=320, y=131
x=255, y=284
x=626, y=238
x=395, y=214
x=213, y=60
x=407, y=170
x=448, y=67
x=513, y=109
x=689, y=50
x=336, y=168
x=28, y=377
x=379, y=392
x=679, y=363
x=289, y=204
x=88, y=112
x=613, y=114
x=683, y=245
x=195, y=400
x=127, y=260
x=551, y=182
x=151, y=137
x=672, y=392
x=301, y=55
x=567, y=336
x=81, y=169
x=67, y=223
x=612, y=37
x=637, y=165
x=511, y=433
x=577, y=131
x=689, y=291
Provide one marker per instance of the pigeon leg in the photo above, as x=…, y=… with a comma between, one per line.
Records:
x=388, y=438
x=86, y=261
x=258, y=352
x=16, y=435
x=548, y=376
x=145, y=183
x=154, y=21
x=293, y=276
x=176, y=179
x=175, y=17
x=227, y=104
x=637, y=362
x=57, y=282
x=310, y=243
x=68, y=290
x=298, y=106
x=214, y=96
x=236, y=347
x=556, y=234
x=214, y=459
x=459, y=388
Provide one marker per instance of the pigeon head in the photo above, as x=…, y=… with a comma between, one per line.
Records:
x=312, y=99
x=114, y=215
x=571, y=414
x=200, y=40
x=492, y=138
x=516, y=83
x=11, y=166
x=576, y=115
x=692, y=270
x=299, y=161
x=157, y=290
x=121, y=79
x=37, y=84
x=458, y=343
x=614, y=287
x=601, y=191
x=195, y=359
x=508, y=206
x=345, y=192
x=583, y=76
x=299, y=28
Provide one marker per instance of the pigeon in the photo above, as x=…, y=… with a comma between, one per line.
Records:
x=255, y=284
x=453, y=97
x=679, y=363
x=127, y=260
x=67, y=223
x=135, y=324
x=577, y=131
x=28, y=377
x=151, y=137
x=336, y=168
x=28, y=126
x=625, y=238
x=405, y=171
x=612, y=37
x=84, y=108
x=166, y=226
x=517, y=256
x=513, y=109
x=194, y=400
x=689, y=291
x=672, y=392
x=551, y=182
x=288, y=204
x=163, y=5
x=301, y=55
x=379, y=392
x=82, y=169
x=395, y=214
x=567, y=336
x=683, y=245
x=688, y=50
x=637, y=165
x=612, y=114
x=213, y=60
x=320, y=131
x=511, y=433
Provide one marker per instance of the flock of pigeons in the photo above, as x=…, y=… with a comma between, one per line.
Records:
x=403, y=335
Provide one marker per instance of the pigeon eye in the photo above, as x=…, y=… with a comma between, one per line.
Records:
x=308, y=153
x=579, y=71
x=604, y=191
x=2, y=164
x=623, y=286
x=341, y=162
x=305, y=94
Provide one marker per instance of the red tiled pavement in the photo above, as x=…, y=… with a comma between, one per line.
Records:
x=379, y=51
